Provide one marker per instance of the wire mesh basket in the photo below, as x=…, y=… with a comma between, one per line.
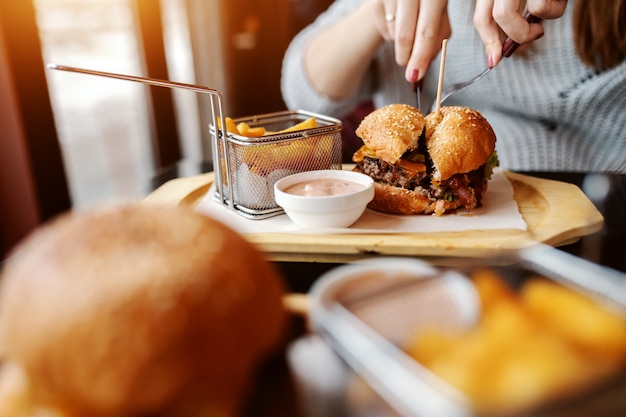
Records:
x=247, y=167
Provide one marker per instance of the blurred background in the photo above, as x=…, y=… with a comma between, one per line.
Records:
x=74, y=140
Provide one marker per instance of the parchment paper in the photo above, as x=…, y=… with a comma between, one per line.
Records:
x=499, y=211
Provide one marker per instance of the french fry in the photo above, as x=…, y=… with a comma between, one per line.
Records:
x=231, y=127
x=576, y=318
x=536, y=366
x=251, y=132
x=307, y=124
x=255, y=132
x=266, y=158
x=244, y=129
x=429, y=344
x=490, y=287
x=530, y=346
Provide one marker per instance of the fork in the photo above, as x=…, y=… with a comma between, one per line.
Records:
x=508, y=48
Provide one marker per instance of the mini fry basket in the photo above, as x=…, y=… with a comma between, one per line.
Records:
x=246, y=168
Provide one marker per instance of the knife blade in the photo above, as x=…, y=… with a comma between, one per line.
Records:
x=417, y=89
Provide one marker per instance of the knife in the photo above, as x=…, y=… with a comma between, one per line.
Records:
x=417, y=89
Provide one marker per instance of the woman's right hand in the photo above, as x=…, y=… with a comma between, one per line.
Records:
x=494, y=17
x=417, y=29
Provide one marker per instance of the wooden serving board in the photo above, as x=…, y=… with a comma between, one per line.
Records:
x=556, y=213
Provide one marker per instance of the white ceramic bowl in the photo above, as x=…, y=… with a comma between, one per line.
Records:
x=322, y=211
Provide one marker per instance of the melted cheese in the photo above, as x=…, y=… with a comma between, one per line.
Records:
x=413, y=167
x=361, y=153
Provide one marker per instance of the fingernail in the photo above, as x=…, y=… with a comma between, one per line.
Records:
x=539, y=36
x=414, y=74
x=489, y=61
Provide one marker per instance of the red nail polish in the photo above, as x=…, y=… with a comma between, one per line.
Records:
x=414, y=75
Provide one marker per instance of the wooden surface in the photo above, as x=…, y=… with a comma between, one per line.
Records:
x=556, y=213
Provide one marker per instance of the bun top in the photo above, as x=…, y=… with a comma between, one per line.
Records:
x=459, y=140
x=139, y=310
x=392, y=130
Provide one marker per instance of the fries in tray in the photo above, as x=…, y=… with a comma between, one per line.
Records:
x=534, y=333
x=531, y=346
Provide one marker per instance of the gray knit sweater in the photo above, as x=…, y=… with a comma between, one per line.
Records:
x=549, y=111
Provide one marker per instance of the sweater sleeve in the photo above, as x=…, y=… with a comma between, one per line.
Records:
x=297, y=90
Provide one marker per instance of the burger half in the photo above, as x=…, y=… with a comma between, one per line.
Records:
x=426, y=165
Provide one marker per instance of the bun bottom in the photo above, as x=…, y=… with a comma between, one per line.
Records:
x=396, y=200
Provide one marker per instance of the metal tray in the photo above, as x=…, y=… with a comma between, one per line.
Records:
x=366, y=311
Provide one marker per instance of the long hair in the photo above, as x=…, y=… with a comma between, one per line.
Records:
x=600, y=32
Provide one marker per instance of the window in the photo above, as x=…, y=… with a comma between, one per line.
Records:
x=103, y=124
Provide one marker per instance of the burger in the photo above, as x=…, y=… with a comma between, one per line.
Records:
x=134, y=311
x=426, y=165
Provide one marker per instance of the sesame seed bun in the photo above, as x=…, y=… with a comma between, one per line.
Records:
x=459, y=140
x=391, y=130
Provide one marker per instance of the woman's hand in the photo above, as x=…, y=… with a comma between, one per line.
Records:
x=492, y=17
x=417, y=29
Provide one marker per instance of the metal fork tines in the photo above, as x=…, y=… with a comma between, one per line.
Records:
x=508, y=48
x=458, y=86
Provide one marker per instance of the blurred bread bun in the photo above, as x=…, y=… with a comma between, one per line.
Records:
x=426, y=165
x=139, y=310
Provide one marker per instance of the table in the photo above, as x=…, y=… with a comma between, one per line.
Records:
x=606, y=191
x=274, y=394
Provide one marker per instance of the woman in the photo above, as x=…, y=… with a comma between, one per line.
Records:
x=556, y=104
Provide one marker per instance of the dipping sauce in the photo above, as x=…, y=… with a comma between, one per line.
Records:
x=324, y=187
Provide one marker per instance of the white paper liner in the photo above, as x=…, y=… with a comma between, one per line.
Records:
x=499, y=212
